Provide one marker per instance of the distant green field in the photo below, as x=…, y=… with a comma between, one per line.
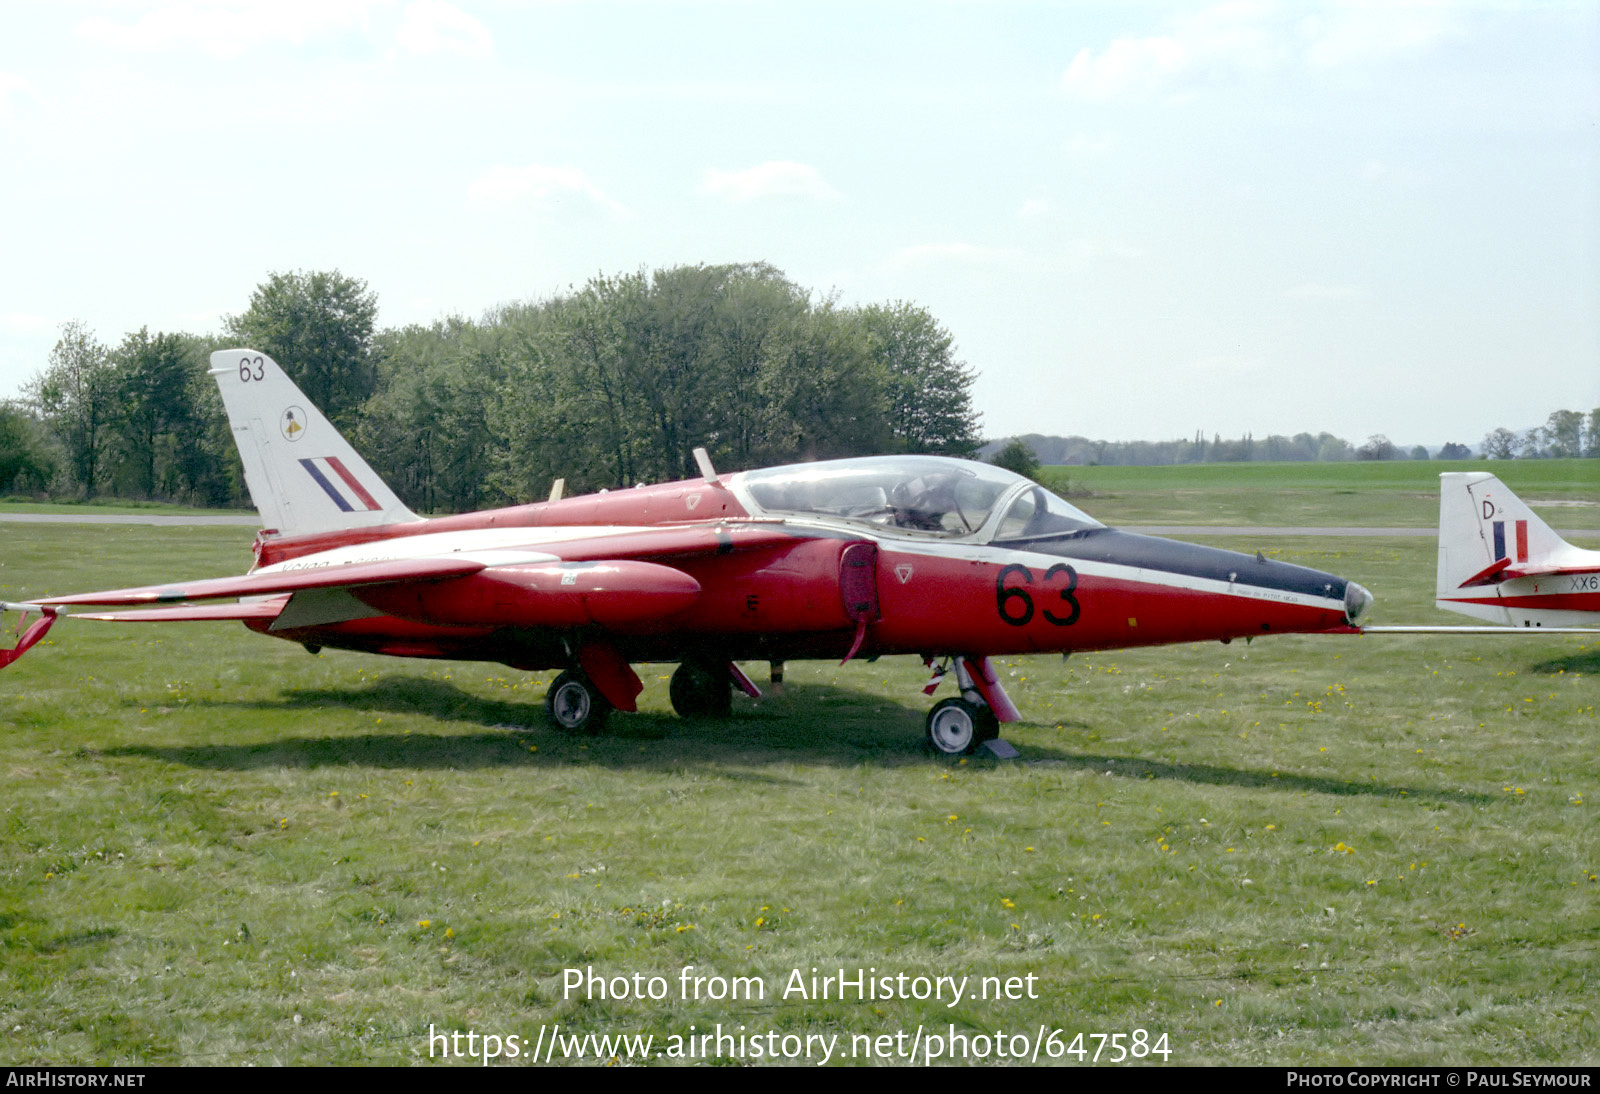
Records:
x=1382, y=494
x=217, y=849
x=107, y=507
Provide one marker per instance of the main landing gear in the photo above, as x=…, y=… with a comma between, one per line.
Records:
x=701, y=688
x=574, y=704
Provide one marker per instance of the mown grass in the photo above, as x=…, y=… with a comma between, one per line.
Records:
x=215, y=848
x=1386, y=494
x=105, y=507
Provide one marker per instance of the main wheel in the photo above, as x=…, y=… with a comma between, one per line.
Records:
x=956, y=727
x=701, y=688
x=575, y=705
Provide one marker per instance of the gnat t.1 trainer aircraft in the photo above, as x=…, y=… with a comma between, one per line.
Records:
x=1499, y=562
x=950, y=560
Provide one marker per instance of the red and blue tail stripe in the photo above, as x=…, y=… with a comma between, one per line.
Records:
x=1500, y=540
x=353, y=497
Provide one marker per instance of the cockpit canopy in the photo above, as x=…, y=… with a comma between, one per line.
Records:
x=931, y=495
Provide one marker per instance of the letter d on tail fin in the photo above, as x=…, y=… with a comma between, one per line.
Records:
x=303, y=476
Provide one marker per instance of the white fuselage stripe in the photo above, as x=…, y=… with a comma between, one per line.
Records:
x=523, y=546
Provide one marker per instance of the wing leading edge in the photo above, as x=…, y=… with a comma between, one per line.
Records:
x=517, y=589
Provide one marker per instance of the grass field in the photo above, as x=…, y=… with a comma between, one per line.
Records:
x=215, y=848
x=1389, y=494
x=105, y=507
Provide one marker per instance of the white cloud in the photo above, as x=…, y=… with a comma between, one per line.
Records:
x=1227, y=41
x=225, y=29
x=1035, y=209
x=1128, y=65
x=502, y=187
x=773, y=179
x=1206, y=47
x=432, y=26
x=13, y=322
x=1350, y=34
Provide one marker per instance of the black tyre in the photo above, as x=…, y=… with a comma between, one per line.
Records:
x=701, y=688
x=955, y=726
x=575, y=705
x=988, y=725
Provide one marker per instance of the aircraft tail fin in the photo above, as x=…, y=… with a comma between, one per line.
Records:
x=1490, y=538
x=304, y=477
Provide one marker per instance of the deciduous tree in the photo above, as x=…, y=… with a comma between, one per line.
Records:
x=929, y=391
x=158, y=435
x=1502, y=444
x=76, y=396
x=25, y=460
x=1378, y=447
x=1017, y=456
x=319, y=327
x=1563, y=432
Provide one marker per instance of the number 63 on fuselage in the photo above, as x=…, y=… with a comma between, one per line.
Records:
x=950, y=560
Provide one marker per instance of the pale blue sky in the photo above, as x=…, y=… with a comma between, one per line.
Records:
x=1138, y=220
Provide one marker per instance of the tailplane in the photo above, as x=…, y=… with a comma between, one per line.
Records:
x=303, y=475
x=1499, y=562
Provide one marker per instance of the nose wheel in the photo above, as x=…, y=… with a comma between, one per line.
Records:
x=574, y=704
x=957, y=726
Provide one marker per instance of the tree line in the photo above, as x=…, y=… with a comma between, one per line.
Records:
x=1566, y=434
x=605, y=386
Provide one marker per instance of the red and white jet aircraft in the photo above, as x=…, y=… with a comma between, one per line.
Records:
x=953, y=561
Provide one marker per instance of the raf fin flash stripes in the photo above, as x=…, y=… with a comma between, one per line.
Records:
x=354, y=496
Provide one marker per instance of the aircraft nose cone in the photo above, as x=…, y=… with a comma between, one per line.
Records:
x=1356, y=602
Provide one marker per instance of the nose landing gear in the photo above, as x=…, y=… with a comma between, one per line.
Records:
x=958, y=726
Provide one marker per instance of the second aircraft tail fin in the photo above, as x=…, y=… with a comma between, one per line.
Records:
x=1500, y=562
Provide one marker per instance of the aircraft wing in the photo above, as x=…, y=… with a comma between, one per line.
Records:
x=670, y=541
x=1503, y=569
x=1549, y=569
x=250, y=585
x=350, y=575
x=1496, y=630
x=266, y=608
x=612, y=579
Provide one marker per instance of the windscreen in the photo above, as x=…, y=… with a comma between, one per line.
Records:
x=1037, y=514
x=934, y=495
